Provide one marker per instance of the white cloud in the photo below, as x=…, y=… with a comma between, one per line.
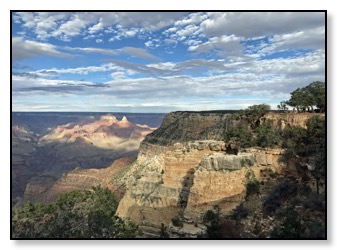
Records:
x=229, y=45
x=253, y=24
x=188, y=30
x=71, y=28
x=66, y=25
x=79, y=70
x=311, y=39
x=135, y=52
x=193, y=42
x=139, y=52
x=149, y=44
x=118, y=75
x=95, y=28
x=194, y=18
x=217, y=59
x=23, y=49
x=130, y=33
x=170, y=30
x=164, y=66
x=94, y=50
x=263, y=81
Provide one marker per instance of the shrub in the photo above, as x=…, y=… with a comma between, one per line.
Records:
x=252, y=187
x=316, y=230
x=278, y=194
x=225, y=229
x=177, y=221
x=239, y=213
x=77, y=214
x=240, y=135
x=163, y=231
x=267, y=136
x=314, y=202
x=209, y=216
x=290, y=228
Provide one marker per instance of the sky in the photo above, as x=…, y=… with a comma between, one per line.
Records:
x=162, y=61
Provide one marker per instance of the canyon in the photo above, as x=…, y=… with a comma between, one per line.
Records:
x=180, y=171
x=39, y=160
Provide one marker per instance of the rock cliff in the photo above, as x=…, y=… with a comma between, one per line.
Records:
x=184, y=169
x=190, y=126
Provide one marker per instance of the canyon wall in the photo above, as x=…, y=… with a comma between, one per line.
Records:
x=184, y=169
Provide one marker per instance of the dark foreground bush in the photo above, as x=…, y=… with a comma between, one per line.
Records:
x=279, y=194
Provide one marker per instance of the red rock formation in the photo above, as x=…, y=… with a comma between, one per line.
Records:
x=105, y=133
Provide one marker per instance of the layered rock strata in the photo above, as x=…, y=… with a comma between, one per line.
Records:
x=184, y=169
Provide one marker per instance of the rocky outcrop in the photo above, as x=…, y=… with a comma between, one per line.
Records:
x=281, y=120
x=187, y=180
x=184, y=168
x=182, y=127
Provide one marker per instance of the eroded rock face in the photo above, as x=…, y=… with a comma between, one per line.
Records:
x=281, y=120
x=184, y=168
x=182, y=127
x=183, y=179
x=221, y=161
x=153, y=195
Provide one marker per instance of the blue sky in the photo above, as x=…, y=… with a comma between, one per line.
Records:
x=162, y=62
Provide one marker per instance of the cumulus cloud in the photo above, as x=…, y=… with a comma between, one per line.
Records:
x=66, y=25
x=197, y=60
x=149, y=44
x=71, y=28
x=97, y=27
x=194, y=18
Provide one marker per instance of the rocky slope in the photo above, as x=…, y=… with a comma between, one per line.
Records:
x=78, y=179
x=24, y=146
x=183, y=169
